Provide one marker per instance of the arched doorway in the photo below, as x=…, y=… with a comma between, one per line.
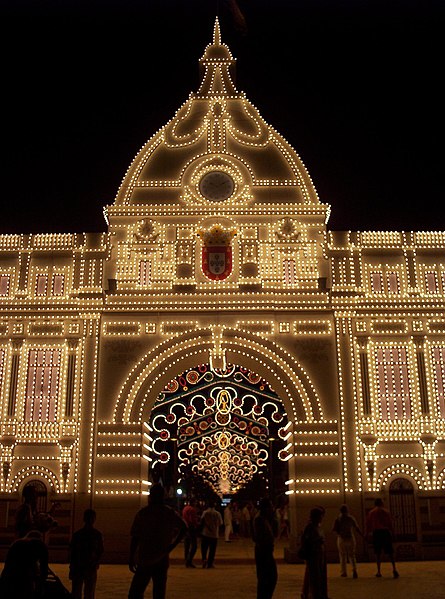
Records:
x=224, y=429
x=403, y=509
x=41, y=494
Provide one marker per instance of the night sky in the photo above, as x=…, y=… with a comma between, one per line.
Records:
x=355, y=86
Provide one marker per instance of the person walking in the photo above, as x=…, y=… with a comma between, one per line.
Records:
x=211, y=521
x=190, y=517
x=345, y=526
x=315, y=583
x=228, y=529
x=379, y=525
x=86, y=549
x=265, y=529
x=155, y=531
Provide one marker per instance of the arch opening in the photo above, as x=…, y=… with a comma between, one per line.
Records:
x=221, y=429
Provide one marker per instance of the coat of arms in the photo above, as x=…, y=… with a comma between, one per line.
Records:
x=217, y=252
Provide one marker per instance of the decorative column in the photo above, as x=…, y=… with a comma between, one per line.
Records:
x=65, y=463
x=13, y=381
x=364, y=371
x=428, y=441
x=370, y=443
x=421, y=373
x=24, y=263
x=8, y=450
x=70, y=377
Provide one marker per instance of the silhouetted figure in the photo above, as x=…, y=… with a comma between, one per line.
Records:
x=246, y=520
x=379, y=524
x=282, y=514
x=156, y=530
x=86, y=549
x=26, y=568
x=265, y=529
x=190, y=517
x=26, y=512
x=211, y=521
x=228, y=528
x=28, y=518
x=315, y=584
x=345, y=526
x=236, y=518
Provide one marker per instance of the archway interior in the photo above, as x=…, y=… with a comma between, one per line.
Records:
x=223, y=427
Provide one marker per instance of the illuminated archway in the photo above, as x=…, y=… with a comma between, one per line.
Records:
x=177, y=354
x=218, y=425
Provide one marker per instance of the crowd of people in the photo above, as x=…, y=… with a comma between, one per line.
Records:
x=157, y=529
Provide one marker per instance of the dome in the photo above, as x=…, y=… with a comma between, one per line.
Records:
x=216, y=129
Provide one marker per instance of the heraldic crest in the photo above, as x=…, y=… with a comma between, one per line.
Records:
x=217, y=251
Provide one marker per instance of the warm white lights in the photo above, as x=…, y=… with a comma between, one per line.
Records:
x=343, y=333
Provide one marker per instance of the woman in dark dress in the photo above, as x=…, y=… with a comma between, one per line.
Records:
x=315, y=584
x=265, y=529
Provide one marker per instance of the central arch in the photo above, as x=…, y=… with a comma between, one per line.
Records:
x=222, y=426
x=177, y=354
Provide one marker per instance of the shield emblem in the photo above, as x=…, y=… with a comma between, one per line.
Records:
x=217, y=261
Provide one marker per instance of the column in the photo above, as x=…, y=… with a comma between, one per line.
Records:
x=13, y=382
x=364, y=371
x=70, y=377
x=421, y=374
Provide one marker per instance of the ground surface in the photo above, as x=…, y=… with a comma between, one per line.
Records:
x=234, y=578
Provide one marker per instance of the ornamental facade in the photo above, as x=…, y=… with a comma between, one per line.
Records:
x=220, y=329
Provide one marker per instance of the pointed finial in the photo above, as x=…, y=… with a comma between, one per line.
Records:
x=216, y=33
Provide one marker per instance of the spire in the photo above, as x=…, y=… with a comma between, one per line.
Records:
x=217, y=66
x=216, y=33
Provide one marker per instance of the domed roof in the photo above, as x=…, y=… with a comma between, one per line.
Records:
x=217, y=128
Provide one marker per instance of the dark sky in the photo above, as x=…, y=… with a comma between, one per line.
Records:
x=355, y=86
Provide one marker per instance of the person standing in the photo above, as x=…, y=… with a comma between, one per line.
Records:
x=86, y=549
x=211, y=521
x=246, y=520
x=379, y=524
x=25, y=515
x=236, y=517
x=228, y=529
x=345, y=526
x=283, y=513
x=155, y=532
x=315, y=583
x=265, y=529
x=190, y=517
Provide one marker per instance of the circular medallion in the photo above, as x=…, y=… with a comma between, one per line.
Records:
x=216, y=186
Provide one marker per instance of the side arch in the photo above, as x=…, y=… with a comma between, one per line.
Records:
x=173, y=356
x=35, y=472
x=401, y=471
